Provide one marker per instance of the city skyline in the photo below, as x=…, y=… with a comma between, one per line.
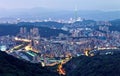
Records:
x=60, y=37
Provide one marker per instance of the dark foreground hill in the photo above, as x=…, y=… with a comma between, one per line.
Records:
x=108, y=65
x=10, y=66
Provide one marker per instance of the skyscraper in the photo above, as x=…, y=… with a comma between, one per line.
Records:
x=76, y=13
x=23, y=30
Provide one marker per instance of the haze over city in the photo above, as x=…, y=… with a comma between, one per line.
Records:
x=62, y=4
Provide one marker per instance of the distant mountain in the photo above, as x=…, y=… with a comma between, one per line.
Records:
x=43, y=13
x=49, y=24
x=10, y=66
x=107, y=65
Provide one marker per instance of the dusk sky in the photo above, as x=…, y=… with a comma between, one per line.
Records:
x=62, y=4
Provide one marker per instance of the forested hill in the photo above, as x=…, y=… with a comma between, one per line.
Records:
x=10, y=66
x=13, y=29
x=107, y=65
x=49, y=24
x=115, y=25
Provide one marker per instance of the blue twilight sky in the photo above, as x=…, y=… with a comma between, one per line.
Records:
x=62, y=4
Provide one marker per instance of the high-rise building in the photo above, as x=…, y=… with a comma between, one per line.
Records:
x=76, y=13
x=23, y=30
x=34, y=31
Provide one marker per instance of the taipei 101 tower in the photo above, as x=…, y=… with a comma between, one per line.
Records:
x=76, y=13
x=76, y=17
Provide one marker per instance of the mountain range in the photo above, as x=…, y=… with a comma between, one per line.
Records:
x=43, y=13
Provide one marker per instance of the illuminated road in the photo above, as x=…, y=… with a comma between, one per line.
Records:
x=21, y=39
x=23, y=45
x=18, y=47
